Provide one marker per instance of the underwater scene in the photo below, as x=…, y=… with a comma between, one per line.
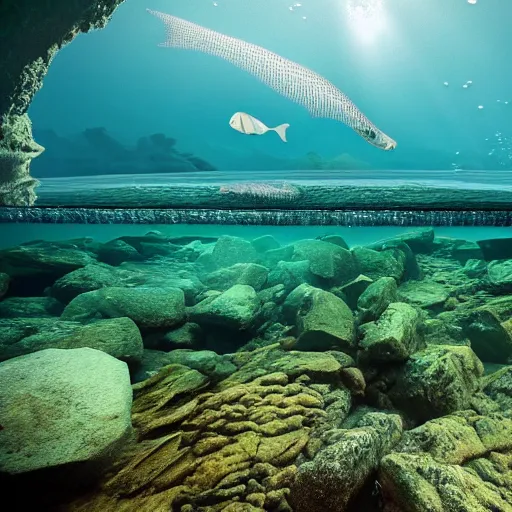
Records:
x=256, y=256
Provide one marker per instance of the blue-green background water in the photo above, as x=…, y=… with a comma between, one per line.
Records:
x=393, y=66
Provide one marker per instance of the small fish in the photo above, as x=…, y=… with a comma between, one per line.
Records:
x=249, y=125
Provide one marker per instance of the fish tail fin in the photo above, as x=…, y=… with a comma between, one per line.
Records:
x=281, y=131
x=180, y=33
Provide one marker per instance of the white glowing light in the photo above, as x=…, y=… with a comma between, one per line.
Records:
x=367, y=19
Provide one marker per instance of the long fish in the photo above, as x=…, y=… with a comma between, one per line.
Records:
x=297, y=83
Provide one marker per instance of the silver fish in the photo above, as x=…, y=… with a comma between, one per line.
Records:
x=297, y=83
x=249, y=125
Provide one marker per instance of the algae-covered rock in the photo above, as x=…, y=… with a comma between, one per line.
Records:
x=376, y=298
x=320, y=366
x=499, y=274
x=149, y=308
x=339, y=471
x=467, y=251
x=424, y=294
x=209, y=363
x=86, y=279
x=326, y=260
x=322, y=320
x=187, y=336
x=230, y=250
x=475, y=268
x=236, y=308
x=490, y=339
x=420, y=241
x=118, y=337
x=35, y=266
x=375, y=264
x=249, y=274
x=116, y=252
x=61, y=407
x=334, y=239
x=417, y=483
x=392, y=338
x=437, y=381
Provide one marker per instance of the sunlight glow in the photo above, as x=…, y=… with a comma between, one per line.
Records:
x=367, y=18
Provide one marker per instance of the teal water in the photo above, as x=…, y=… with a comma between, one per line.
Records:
x=391, y=58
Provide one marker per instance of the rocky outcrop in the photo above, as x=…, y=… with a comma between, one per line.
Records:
x=339, y=471
x=46, y=29
x=393, y=337
x=149, y=308
x=61, y=407
x=322, y=320
x=118, y=337
x=437, y=381
x=459, y=462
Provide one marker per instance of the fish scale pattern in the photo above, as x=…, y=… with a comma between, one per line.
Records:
x=293, y=81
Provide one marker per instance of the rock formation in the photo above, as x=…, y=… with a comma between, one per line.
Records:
x=31, y=33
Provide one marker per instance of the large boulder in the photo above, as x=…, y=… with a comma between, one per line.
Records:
x=30, y=307
x=4, y=284
x=393, y=337
x=35, y=266
x=322, y=320
x=498, y=386
x=436, y=381
x=118, y=337
x=86, y=279
x=265, y=243
x=149, y=308
x=236, y=308
x=230, y=250
x=338, y=472
x=452, y=463
x=116, y=252
x=375, y=264
x=61, y=407
x=242, y=273
x=327, y=261
x=424, y=294
x=291, y=274
x=420, y=241
x=376, y=298
x=418, y=483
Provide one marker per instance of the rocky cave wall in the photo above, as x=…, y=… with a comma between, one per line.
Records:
x=31, y=33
